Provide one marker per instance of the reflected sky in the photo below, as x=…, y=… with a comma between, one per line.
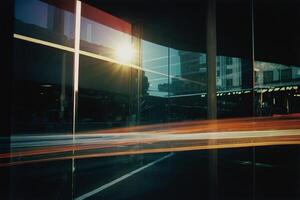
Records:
x=103, y=35
x=178, y=70
x=43, y=15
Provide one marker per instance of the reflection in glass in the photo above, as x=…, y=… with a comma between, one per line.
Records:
x=233, y=88
x=154, y=98
x=177, y=82
x=158, y=84
x=229, y=73
x=277, y=88
x=52, y=21
x=155, y=57
x=171, y=86
x=188, y=72
x=234, y=73
x=188, y=87
x=155, y=83
x=42, y=89
x=41, y=109
x=106, y=35
x=104, y=94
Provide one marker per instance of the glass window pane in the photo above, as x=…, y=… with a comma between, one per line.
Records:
x=154, y=98
x=154, y=57
x=51, y=21
x=277, y=63
x=106, y=35
x=277, y=88
x=42, y=112
x=234, y=94
x=43, y=89
x=104, y=94
x=188, y=86
x=234, y=73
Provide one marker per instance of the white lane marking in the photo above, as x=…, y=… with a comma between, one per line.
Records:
x=103, y=187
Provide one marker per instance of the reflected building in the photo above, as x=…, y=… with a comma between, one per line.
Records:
x=193, y=69
x=272, y=74
x=190, y=76
x=228, y=73
x=277, y=88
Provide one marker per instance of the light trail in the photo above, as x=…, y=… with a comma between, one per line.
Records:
x=182, y=136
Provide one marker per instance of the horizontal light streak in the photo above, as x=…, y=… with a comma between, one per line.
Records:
x=111, y=140
x=42, y=42
x=93, y=55
x=211, y=144
x=62, y=47
x=104, y=58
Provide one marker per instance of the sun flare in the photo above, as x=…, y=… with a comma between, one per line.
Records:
x=125, y=53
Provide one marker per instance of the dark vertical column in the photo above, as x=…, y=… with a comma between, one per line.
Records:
x=6, y=63
x=211, y=42
x=247, y=69
x=253, y=99
x=137, y=78
x=55, y=20
x=169, y=82
x=298, y=174
x=137, y=31
x=63, y=89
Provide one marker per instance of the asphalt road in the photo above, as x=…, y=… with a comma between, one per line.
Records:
x=205, y=174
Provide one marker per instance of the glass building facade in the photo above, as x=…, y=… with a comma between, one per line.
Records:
x=77, y=69
x=125, y=80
